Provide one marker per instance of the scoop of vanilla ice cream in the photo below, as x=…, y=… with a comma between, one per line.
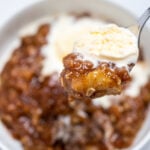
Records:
x=65, y=30
x=109, y=43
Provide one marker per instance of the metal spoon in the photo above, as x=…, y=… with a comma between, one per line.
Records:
x=137, y=29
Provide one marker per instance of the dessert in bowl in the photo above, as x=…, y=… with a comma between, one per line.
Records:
x=35, y=108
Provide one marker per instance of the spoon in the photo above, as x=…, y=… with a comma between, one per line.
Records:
x=137, y=29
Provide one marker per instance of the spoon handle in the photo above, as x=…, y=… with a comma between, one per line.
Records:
x=141, y=22
x=143, y=19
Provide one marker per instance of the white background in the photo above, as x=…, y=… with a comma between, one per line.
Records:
x=9, y=7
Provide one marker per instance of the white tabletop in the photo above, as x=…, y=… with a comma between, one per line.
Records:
x=9, y=7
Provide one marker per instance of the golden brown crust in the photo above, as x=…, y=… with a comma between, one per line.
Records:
x=80, y=79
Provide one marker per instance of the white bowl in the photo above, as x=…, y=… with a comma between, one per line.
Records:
x=10, y=31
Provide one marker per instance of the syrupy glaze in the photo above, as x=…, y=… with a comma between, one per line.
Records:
x=81, y=79
x=37, y=111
